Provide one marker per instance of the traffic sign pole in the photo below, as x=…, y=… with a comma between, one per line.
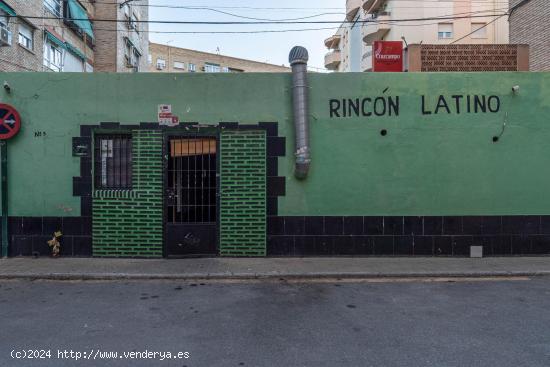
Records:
x=10, y=123
x=4, y=194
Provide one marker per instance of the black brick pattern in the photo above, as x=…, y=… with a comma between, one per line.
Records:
x=408, y=236
x=28, y=236
x=276, y=147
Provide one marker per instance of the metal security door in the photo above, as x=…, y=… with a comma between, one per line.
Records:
x=191, y=196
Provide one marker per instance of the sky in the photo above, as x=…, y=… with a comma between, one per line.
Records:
x=265, y=47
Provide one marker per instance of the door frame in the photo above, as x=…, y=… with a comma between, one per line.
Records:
x=189, y=132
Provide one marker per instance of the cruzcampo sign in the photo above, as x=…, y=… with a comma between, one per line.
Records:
x=387, y=56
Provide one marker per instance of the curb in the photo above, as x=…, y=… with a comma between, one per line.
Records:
x=267, y=276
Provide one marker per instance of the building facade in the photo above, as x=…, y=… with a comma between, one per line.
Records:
x=41, y=35
x=529, y=24
x=165, y=58
x=124, y=46
x=404, y=164
x=453, y=21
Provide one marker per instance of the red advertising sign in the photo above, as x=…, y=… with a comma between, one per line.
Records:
x=387, y=56
x=10, y=121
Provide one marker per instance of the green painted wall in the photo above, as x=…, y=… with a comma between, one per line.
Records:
x=441, y=164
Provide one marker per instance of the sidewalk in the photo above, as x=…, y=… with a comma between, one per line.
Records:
x=266, y=268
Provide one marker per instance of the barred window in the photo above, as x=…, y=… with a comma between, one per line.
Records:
x=113, y=162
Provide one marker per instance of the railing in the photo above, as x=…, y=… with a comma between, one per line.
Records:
x=352, y=7
x=333, y=59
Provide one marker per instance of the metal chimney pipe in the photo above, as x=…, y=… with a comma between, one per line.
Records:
x=298, y=59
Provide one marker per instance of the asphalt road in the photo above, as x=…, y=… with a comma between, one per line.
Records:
x=468, y=323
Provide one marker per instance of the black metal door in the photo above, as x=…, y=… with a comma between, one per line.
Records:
x=191, y=196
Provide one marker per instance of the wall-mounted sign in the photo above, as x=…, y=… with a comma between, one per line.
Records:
x=10, y=122
x=387, y=56
x=390, y=105
x=165, y=116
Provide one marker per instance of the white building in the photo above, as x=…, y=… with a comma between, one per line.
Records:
x=441, y=22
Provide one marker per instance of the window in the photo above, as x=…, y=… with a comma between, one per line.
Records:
x=77, y=18
x=73, y=63
x=132, y=18
x=192, y=68
x=132, y=55
x=113, y=162
x=25, y=35
x=161, y=64
x=135, y=22
x=179, y=65
x=445, y=30
x=225, y=69
x=54, y=6
x=53, y=55
x=3, y=18
x=211, y=68
x=136, y=57
x=128, y=15
x=480, y=30
x=128, y=53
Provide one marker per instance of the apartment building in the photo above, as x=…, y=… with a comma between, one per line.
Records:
x=165, y=58
x=60, y=36
x=124, y=45
x=529, y=22
x=442, y=22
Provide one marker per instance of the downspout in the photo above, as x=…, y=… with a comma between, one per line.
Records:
x=298, y=59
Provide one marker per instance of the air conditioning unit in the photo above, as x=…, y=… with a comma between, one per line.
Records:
x=5, y=36
x=160, y=66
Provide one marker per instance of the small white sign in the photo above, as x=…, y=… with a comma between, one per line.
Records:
x=165, y=108
x=165, y=116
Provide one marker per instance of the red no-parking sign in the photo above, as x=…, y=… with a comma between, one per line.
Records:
x=10, y=121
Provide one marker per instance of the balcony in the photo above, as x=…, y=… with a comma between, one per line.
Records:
x=371, y=6
x=352, y=7
x=366, y=62
x=333, y=60
x=378, y=30
x=333, y=42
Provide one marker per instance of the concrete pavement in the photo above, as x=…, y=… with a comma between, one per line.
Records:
x=262, y=268
x=366, y=323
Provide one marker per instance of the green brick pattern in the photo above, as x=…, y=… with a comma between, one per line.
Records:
x=243, y=193
x=130, y=224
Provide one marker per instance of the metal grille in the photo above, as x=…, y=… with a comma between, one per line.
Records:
x=191, y=181
x=113, y=162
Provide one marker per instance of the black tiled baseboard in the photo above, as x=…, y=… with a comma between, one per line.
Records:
x=408, y=236
x=37, y=245
x=332, y=235
x=28, y=236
